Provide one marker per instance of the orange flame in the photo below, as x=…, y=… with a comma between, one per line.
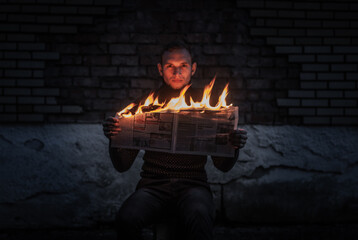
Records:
x=178, y=103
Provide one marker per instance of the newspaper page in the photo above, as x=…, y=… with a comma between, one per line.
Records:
x=186, y=132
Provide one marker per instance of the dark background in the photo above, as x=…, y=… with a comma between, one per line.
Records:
x=292, y=67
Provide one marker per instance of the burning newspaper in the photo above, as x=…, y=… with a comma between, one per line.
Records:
x=176, y=127
x=189, y=132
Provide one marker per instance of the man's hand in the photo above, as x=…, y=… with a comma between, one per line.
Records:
x=238, y=138
x=111, y=127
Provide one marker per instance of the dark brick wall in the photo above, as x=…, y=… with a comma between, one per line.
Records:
x=288, y=62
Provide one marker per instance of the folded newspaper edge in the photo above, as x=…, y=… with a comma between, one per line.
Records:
x=185, y=132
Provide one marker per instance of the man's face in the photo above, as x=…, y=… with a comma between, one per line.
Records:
x=177, y=68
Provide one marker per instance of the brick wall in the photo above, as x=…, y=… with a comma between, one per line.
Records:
x=79, y=61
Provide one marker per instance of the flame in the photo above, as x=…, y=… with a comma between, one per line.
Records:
x=176, y=104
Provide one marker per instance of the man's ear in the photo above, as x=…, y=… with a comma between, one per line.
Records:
x=160, y=69
x=193, y=68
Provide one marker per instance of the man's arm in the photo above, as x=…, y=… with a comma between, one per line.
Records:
x=122, y=159
x=225, y=164
x=238, y=140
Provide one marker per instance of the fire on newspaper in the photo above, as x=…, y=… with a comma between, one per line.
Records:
x=176, y=127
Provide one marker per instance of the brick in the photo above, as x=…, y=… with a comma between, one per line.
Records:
x=17, y=91
x=341, y=85
x=46, y=55
x=352, y=58
x=301, y=58
x=5, y=117
x=108, y=2
x=9, y=8
x=330, y=76
x=301, y=94
x=18, y=73
x=50, y=19
x=329, y=94
x=344, y=67
x=31, y=117
x=292, y=32
x=31, y=100
x=32, y=46
x=330, y=58
x=316, y=120
x=336, y=24
x=21, y=37
x=307, y=5
x=7, y=83
x=63, y=29
x=34, y=28
x=319, y=15
x=51, y=1
x=263, y=13
x=313, y=85
x=122, y=49
x=284, y=102
x=351, y=112
x=38, y=73
x=131, y=71
x=351, y=94
x=279, y=23
x=302, y=111
x=143, y=83
x=75, y=71
x=92, y=10
x=34, y=8
x=337, y=41
x=346, y=15
x=79, y=20
x=7, y=46
x=345, y=120
x=343, y=103
x=308, y=41
x=279, y=41
x=346, y=32
x=315, y=67
x=335, y=6
x=249, y=4
x=31, y=64
x=63, y=9
x=104, y=71
x=320, y=32
x=308, y=23
x=315, y=103
x=345, y=49
x=7, y=100
x=291, y=14
x=263, y=31
x=17, y=55
x=9, y=27
x=308, y=76
x=288, y=49
x=72, y=109
x=317, y=49
x=7, y=64
x=329, y=111
x=30, y=82
x=10, y=108
x=46, y=91
x=352, y=76
x=47, y=109
x=216, y=49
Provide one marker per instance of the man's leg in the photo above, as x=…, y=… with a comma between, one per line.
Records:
x=140, y=210
x=196, y=210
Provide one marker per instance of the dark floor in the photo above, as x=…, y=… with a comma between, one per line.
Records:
x=247, y=232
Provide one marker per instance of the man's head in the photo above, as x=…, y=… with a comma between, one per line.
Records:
x=176, y=67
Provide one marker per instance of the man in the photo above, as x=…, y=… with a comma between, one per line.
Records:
x=170, y=182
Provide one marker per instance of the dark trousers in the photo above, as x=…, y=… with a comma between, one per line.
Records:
x=149, y=204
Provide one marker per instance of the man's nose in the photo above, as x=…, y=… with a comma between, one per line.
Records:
x=177, y=71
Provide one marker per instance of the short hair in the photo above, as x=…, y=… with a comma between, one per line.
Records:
x=174, y=45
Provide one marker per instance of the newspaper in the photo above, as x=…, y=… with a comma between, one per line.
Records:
x=187, y=132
